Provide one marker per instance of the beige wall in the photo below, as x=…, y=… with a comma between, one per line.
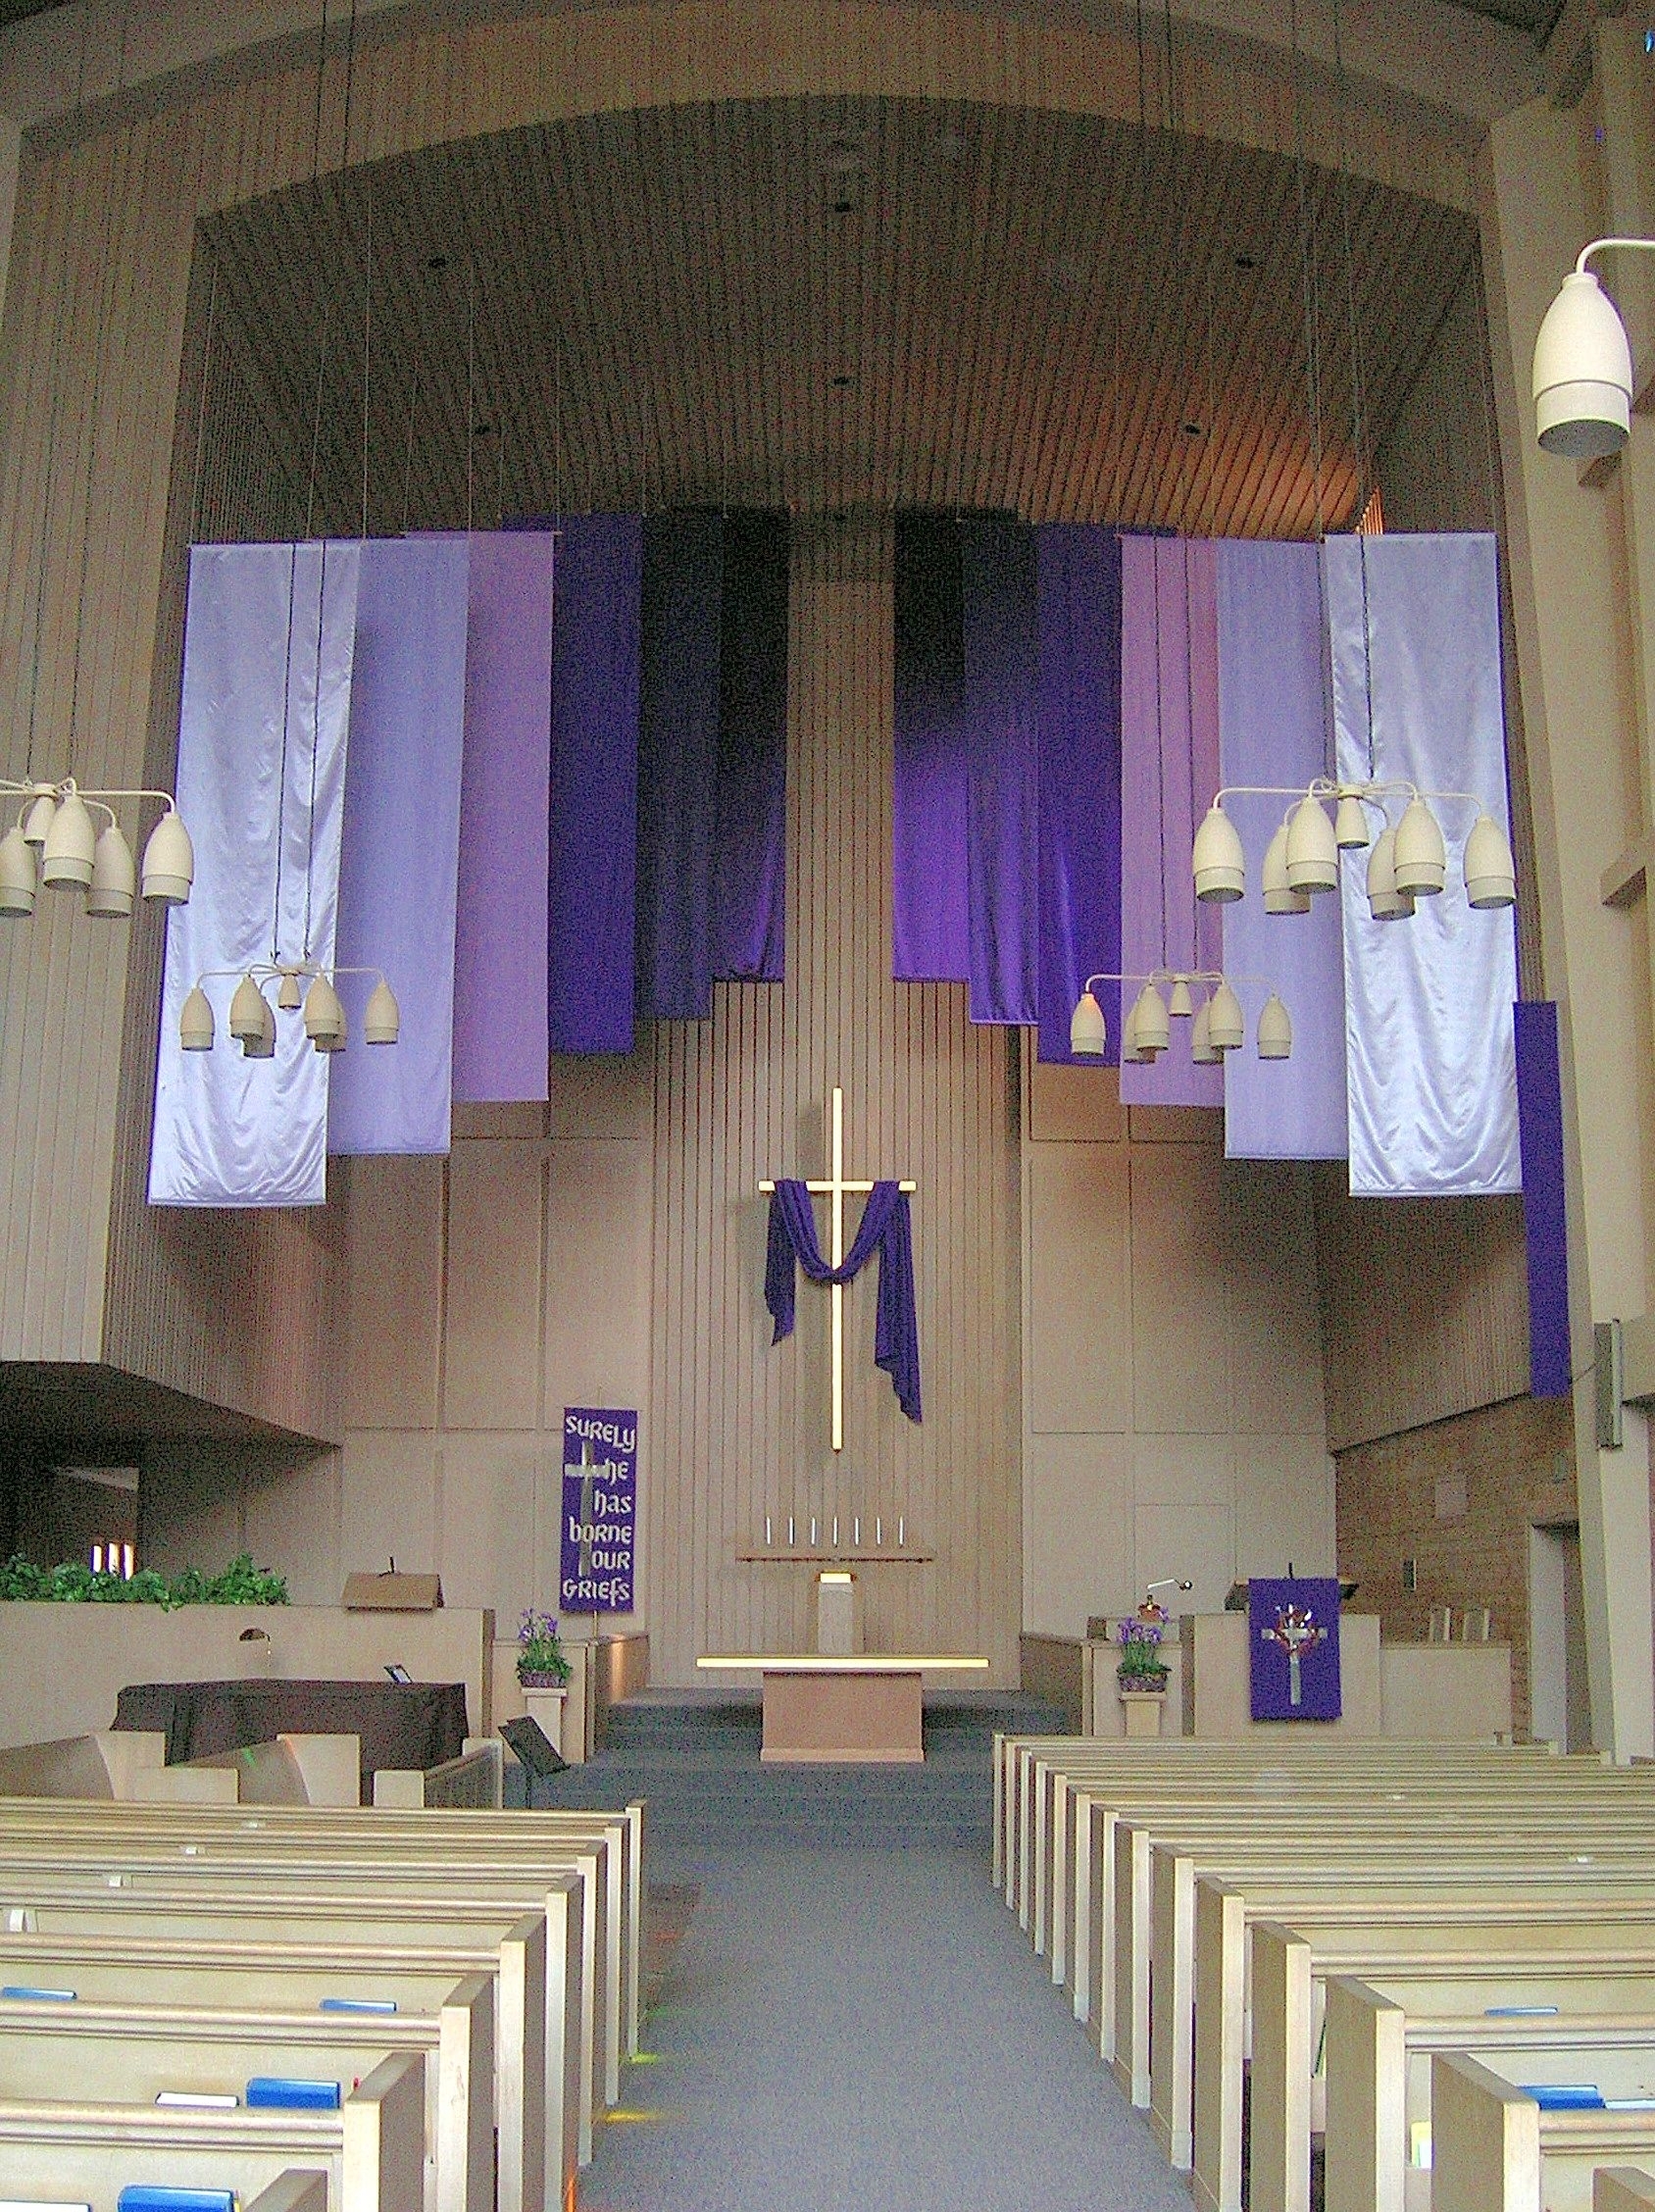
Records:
x=1173, y=1416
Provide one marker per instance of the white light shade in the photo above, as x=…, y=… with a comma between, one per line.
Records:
x=1385, y=901
x=169, y=861
x=1491, y=871
x=1129, y=1036
x=290, y=994
x=1202, y=1050
x=383, y=1018
x=1313, y=856
x=247, y=1011
x=1280, y=896
x=1420, y=862
x=324, y=1017
x=17, y=874
x=1088, y=1034
x=1180, y=1004
x=262, y=1046
x=1218, y=861
x=1150, y=1018
x=115, y=878
x=70, y=843
x=38, y=820
x=1350, y=824
x=1224, y=1018
x=330, y=1044
x=1583, y=373
x=1275, y=1031
x=195, y=1021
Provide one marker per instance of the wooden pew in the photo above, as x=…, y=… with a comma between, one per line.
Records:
x=1378, y=2053
x=372, y=2149
x=1493, y=2149
x=1582, y=1953
x=84, y=2048
x=187, y=1971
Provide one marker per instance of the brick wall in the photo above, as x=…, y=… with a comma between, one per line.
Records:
x=1458, y=1497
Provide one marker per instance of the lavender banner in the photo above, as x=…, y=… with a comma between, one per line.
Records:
x=400, y=859
x=500, y=930
x=1170, y=751
x=1293, y=1637
x=1275, y=729
x=600, y=1510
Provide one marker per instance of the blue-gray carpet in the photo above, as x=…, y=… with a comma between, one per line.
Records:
x=835, y=2022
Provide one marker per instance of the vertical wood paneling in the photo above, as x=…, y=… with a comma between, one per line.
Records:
x=740, y=1430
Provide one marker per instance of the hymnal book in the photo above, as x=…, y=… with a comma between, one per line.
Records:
x=276, y=2093
x=357, y=2004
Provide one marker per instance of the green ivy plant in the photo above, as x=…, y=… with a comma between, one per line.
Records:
x=73, y=1583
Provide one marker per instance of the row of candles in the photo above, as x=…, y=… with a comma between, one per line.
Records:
x=833, y=1540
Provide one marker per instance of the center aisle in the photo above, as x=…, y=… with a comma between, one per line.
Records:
x=850, y=2026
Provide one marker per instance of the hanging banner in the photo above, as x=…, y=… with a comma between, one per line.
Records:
x=600, y=1508
x=1414, y=624
x=1293, y=1632
x=268, y=639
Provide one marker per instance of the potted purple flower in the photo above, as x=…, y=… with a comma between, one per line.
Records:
x=1142, y=1675
x=541, y=1663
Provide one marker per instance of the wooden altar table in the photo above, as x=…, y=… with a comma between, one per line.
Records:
x=823, y=1710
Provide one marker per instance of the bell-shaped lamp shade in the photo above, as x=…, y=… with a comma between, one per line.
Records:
x=1384, y=900
x=17, y=874
x=262, y=1046
x=1280, y=896
x=1275, y=1031
x=1420, y=862
x=1350, y=824
x=290, y=994
x=1180, y=1004
x=1088, y=1034
x=169, y=861
x=37, y=822
x=1583, y=373
x=1153, y=1033
x=1218, y=861
x=195, y=1021
x=324, y=1017
x=1313, y=853
x=1491, y=871
x=1129, y=1036
x=1224, y=1018
x=115, y=878
x=247, y=1011
x=383, y=1018
x=1202, y=1050
x=71, y=844
x=330, y=1044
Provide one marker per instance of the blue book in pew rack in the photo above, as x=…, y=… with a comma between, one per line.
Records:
x=155, y=2197
x=37, y=1996
x=357, y=2004
x=276, y=2093
x=1565, y=2096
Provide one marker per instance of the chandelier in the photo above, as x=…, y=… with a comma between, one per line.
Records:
x=1218, y=1023
x=252, y=1016
x=55, y=840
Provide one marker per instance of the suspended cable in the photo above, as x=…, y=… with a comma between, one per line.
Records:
x=1358, y=391
x=1313, y=363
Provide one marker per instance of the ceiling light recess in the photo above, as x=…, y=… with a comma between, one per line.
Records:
x=300, y=983
x=1407, y=861
x=1219, y=1025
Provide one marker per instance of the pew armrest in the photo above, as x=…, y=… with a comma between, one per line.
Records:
x=293, y=2191
x=1623, y=2188
x=1486, y=2139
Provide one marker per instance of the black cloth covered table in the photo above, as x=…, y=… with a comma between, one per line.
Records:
x=399, y=1724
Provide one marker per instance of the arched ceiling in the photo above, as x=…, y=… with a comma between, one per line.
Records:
x=823, y=304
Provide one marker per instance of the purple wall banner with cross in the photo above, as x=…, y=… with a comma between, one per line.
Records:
x=600, y=1510
x=1293, y=1640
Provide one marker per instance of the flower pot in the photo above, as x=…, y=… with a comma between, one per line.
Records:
x=533, y=1677
x=1141, y=1709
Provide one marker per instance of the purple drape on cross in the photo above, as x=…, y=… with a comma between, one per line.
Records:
x=885, y=1227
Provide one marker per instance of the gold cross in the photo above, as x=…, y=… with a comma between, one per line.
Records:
x=834, y=1185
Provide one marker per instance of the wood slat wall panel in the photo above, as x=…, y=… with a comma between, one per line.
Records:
x=739, y=1429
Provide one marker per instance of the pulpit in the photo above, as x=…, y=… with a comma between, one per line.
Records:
x=826, y=1710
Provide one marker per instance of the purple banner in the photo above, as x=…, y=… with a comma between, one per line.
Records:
x=1170, y=750
x=1539, y=1118
x=750, y=823
x=929, y=800
x=399, y=863
x=1000, y=628
x=500, y=1049
x=1079, y=573
x=592, y=862
x=678, y=763
x=600, y=1510
x=1275, y=729
x=1293, y=1637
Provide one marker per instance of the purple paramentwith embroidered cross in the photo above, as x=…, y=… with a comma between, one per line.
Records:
x=1293, y=1638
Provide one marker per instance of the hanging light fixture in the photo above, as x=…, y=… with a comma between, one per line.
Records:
x=252, y=1016
x=56, y=823
x=1385, y=903
x=1280, y=896
x=1217, y=1026
x=1582, y=377
x=1313, y=854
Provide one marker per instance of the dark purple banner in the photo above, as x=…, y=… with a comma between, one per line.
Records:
x=1293, y=1630
x=600, y=1509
